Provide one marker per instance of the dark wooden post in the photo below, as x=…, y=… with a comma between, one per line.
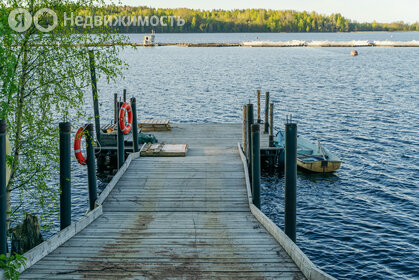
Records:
x=65, y=174
x=244, y=130
x=271, y=125
x=115, y=107
x=3, y=190
x=290, y=180
x=95, y=95
x=266, y=112
x=125, y=95
x=134, y=125
x=258, y=112
x=91, y=167
x=256, y=164
x=120, y=143
x=250, y=121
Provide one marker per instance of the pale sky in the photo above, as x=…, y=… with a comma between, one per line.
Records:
x=359, y=10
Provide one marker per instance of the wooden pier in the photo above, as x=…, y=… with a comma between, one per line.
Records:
x=176, y=218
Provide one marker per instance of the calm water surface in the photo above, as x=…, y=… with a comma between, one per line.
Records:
x=361, y=222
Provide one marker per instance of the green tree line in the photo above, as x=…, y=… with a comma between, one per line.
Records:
x=248, y=20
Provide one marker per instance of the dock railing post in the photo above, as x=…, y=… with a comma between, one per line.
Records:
x=115, y=107
x=120, y=143
x=256, y=164
x=266, y=112
x=134, y=125
x=3, y=190
x=250, y=121
x=271, y=125
x=290, y=180
x=244, y=130
x=91, y=167
x=258, y=112
x=95, y=95
x=125, y=95
x=65, y=174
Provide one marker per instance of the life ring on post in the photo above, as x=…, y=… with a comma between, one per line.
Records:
x=125, y=109
x=77, y=145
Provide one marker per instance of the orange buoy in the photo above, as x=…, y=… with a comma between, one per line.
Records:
x=354, y=53
x=77, y=145
x=125, y=109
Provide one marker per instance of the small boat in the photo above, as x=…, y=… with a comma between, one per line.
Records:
x=312, y=156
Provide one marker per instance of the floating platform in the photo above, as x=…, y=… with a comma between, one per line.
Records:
x=164, y=150
x=278, y=44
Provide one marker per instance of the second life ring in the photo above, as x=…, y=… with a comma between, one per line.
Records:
x=77, y=145
x=125, y=109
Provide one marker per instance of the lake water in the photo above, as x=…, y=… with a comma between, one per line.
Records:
x=362, y=222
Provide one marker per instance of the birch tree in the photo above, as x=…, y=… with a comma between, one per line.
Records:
x=44, y=76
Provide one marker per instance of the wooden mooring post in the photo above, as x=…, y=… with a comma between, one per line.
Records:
x=91, y=167
x=258, y=101
x=271, y=125
x=3, y=190
x=256, y=164
x=95, y=95
x=120, y=142
x=65, y=174
x=115, y=107
x=134, y=125
x=266, y=112
x=250, y=121
x=125, y=95
x=290, y=180
x=244, y=134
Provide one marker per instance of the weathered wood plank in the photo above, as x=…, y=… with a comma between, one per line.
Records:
x=176, y=274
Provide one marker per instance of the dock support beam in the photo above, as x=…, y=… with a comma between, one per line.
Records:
x=3, y=190
x=256, y=164
x=65, y=174
x=271, y=125
x=134, y=125
x=250, y=121
x=266, y=112
x=115, y=107
x=290, y=180
x=244, y=145
x=120, y=142
x=258, y=112
x=91, y=167
x=95, y=95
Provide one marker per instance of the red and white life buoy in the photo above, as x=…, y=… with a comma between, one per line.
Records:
x=77, y=145
x=125, y=109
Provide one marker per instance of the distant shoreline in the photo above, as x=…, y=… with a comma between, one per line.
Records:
x=268, y=32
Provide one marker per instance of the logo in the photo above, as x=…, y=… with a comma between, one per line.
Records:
x=46, y=20
x=21, y=20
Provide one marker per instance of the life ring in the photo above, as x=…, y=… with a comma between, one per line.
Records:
x=125, y=108
x=77, y=145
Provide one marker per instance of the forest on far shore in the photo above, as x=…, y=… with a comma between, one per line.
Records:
x=248, y=20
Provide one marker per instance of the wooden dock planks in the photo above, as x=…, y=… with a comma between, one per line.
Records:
x=176, y=218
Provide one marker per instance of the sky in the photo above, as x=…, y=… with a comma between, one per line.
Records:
x=359, y=10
